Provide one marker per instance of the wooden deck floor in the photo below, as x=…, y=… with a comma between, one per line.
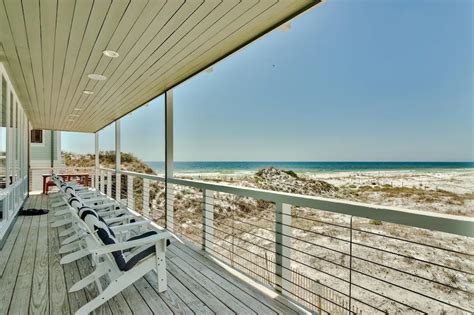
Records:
x=32, y=280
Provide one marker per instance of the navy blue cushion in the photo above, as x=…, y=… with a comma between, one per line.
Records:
x=75, y=202
x=84, y=211
x=107, y=239
x=69, y=190
x=135, y=259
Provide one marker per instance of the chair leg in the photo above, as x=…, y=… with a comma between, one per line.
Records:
x=61, y=223
x=69, y=247
x=66, y=232
x=58, y=204
x=74, y=256
x=161, y=266
x=101, y=270
x=73, y=238
x=62, y=212
x=115, y=287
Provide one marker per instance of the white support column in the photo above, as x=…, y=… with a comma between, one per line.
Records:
x=169, y=192
x=130, y=195
x=283, y=247
x=146, y=197
x=208, y=220
x=97, y=163
x=8, y=142
x=118, y=161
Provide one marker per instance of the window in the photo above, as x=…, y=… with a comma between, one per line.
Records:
x=3, y=110
x=36, y=136
x=11, y=110
x=3, y=131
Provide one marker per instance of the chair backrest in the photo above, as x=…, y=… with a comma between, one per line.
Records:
x=83, y=211
x=68, y=190
x=95, y=224
x=104, y=234
x=75, y=202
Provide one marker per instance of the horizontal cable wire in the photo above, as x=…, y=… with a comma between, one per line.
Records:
x=253, y=263
x=261, y=247
x=290, y=236
x=409, y=290
x=275, y=242
x=413, y=242
x=348, y=281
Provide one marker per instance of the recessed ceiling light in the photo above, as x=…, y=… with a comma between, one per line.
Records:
x=110, y=53
x=87, y=92
x=98, y=77
x=77, y=108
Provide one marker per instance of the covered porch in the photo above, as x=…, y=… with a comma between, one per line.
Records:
x=295, y=254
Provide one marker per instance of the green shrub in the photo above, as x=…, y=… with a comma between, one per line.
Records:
x=375, y=222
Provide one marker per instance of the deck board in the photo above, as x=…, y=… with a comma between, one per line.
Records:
x=196, y=284
x=72, y=275
x=58, y=297
x=8, y=280
x=39, y=302
x=153, y=300
x=7, y=247
x=209, y=267
x=233, y=290
x=170, y=298
x=25, y=277
x=196, y=305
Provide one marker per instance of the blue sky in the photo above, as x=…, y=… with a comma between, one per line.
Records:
x=352, y=80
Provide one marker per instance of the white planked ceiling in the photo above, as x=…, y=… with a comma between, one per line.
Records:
x=50, y=46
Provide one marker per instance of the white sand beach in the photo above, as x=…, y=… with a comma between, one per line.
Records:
x=440, y=191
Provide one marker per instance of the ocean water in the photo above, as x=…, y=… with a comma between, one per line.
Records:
x=308, y=167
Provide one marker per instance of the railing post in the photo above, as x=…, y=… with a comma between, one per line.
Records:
x=208, y=220
x=169, y=207
x=118, y=186
x=283, y=248
x=169, y=192
x=109, y=184
x=102, y=181
x=130, y=195
x=118, y=160
x=146, y=197
x=97, y=162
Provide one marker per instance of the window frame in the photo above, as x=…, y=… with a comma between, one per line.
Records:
x=32, y=138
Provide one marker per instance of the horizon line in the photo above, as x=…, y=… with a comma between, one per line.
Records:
x=315, y=161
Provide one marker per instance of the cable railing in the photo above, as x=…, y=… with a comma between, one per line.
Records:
x=140, y=192
x=331, y=256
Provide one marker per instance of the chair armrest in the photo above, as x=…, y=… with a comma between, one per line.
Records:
x=108, y=213
x=93, y=200
x=119, y=219
x=103, y=206
x=127, y=227
x=87, y=194
x=131, y=244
